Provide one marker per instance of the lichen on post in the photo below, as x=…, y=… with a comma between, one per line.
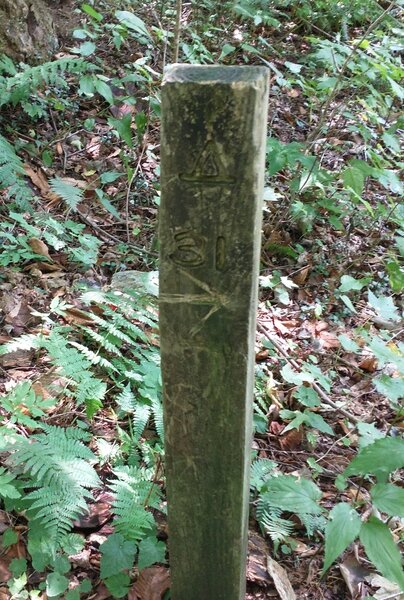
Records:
x=212, y=161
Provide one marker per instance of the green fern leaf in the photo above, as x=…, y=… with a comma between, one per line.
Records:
x=71, y=194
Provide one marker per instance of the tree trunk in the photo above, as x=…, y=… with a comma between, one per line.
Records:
x=26, y=30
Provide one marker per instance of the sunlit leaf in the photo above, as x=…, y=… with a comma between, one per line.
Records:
x=341, y=530
x=382, y=550
x=388, y=498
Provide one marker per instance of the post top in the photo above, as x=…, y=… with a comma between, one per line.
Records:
x=183, y=73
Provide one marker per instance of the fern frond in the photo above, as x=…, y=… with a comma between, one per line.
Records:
x=277, y=528
x=261, y=469
x=21, y=84
x=57, y=465
x=93, y=357
x=102, y=340
x=141, y=416
x=157, y=408
x=71, y=194
x=126, y=400
x=112, y=329
x=132, y=489
x=12, y=175
x=28, y=341
x=90, y=389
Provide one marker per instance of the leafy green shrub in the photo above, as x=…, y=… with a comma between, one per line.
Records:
x=52, y=478
x=12, y=175
x=68, y=236
x=375, y=461
x=20, y=85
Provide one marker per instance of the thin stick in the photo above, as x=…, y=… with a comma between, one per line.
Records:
x=296, y=366
x=108, y=236
x=177, y=30
x=341, y=74
x=134, y=174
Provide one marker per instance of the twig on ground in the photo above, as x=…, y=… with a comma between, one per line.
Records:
x=134, y=174
x=315, y=385
x=106, y=236
x=177, y=30
x=324, y=110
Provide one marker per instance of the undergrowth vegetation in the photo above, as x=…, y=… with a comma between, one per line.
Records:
x=81, y=421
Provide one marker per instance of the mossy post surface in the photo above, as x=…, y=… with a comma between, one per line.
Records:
x=213, y=148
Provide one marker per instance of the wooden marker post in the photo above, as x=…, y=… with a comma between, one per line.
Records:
x=212, y=160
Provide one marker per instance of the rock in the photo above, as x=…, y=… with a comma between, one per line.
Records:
x=26, y=30
x=138, y=281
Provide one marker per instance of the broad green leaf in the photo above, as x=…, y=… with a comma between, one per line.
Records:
x=86, y=85
x=396, y=275
x=73, y=594
x=368, y=434
x=91, y=12
x=293, y=67
x=381, y=549
x=388, y=498
x=80, y=34
x=9, y=537
x=151, y=551
x=399, y=240
x=118, y=585
x=18, y=566
x=348, y=303
x=106, y=203
x=56, y=584
x=61, y=564
x=292, y=376
x=348, y=344
x=389, y=180
x=116, y=554
x=296, y=416
x=292, y=494
x=307, y=396
x=104, y=90
x=380, y=458
x=226, y=50
x=341, y=530
x=319, y=375
x=110, y=176
x=349, y=284
x=317, y=422
x=132, y=22
x=386, y=353
x=123, y=127
x=86, y=586
x=86, y=48
x=391, y=387
x=392, y=142
x=384, y=306
x=397, y=89
x=354, y=180
x=7, y=488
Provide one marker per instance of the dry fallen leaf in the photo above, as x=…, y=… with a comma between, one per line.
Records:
x=152, y=584
x=5, y=573
x=368, y=364
x=4, y=594
x=258, y=551
x=281, y=580
x=292, y=439
x=354, y=575
x=39, y=247
x=38, y=179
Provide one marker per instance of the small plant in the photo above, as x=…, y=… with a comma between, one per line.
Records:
x=375, y=463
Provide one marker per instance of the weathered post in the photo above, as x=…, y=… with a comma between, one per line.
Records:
x=212, y=161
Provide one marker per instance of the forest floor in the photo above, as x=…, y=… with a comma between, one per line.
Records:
x=302, y=319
